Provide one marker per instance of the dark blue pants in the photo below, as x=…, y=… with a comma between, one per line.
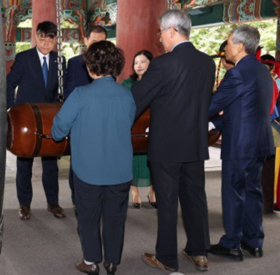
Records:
x=108, y=203
x=186, y=181
x=71, y=183
x=49, y=179
x=242, y=202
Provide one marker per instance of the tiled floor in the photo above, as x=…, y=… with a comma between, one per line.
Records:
x=10, y=200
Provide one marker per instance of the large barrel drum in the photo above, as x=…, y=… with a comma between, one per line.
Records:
x=213, y=137
x=29, y=131
x=139, y=133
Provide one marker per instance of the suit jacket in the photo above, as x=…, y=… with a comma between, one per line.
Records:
x=244, y=96
x=177, y=87
x=76, y=75
x=26, y=74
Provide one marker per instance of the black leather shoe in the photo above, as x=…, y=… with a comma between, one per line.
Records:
x=233, y=253
x=254, y=251
x=153, y=204
x=136, y=205
x=110, y=268
x=92, y=269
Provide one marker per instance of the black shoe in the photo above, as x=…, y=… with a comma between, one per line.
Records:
x=110, y=268
x=256, y=252
x=233, y=253
x=153, y=204
x=136, y=205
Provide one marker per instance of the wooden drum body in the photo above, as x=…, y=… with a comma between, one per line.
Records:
x=29, y=131
x=139, y=133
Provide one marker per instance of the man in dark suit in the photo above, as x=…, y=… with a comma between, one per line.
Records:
x=244, y=96
x=77, y=75
x=177, y=87
x=35, y=74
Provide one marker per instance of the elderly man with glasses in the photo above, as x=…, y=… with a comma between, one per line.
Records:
x=177, y=87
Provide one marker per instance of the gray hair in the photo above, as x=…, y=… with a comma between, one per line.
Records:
x=177, y=19
x=248, y=36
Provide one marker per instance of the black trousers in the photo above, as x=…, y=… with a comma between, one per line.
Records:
x=108, y=203
x=71, y=182
x=49, y=179
x=268, y=184
x=186, y=181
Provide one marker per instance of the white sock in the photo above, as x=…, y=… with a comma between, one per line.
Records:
x=88, y=263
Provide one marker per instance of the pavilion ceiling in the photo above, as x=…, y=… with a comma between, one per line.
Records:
x=104, y=12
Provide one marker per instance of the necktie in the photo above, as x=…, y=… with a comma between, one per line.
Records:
x=45, y=71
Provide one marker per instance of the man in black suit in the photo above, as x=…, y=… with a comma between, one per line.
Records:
x=77, y=75
x=35, y=74
x=177, y=87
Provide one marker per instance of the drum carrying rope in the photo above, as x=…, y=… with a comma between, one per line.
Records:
x=59, y=51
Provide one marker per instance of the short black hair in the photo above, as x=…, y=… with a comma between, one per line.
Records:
x=95, y=28
x=221, y=53
x=47, y=29
x=104, y=58
x=146, y=53
x=268, y=60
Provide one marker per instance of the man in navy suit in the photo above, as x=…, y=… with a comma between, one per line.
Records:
x=77, y=75
x=178, y=92
x=35, y=74
x=244, y=96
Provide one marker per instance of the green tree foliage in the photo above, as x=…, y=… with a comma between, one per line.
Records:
x=23, y=46
x=209, y=39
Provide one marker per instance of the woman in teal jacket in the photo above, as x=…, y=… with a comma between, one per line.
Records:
x=100, y=116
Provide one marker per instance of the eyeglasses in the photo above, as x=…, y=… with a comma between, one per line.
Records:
x=46, y=39
x=160, y=31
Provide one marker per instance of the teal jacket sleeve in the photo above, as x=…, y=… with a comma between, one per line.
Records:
x=63, y=121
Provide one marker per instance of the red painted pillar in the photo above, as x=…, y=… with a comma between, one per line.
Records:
x=137, y=29
x=42, y=10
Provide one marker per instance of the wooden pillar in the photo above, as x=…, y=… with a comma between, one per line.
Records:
x=277, y=54
x=42, y=10
x=137, y=29
x=9, y=32
x=3, y=117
